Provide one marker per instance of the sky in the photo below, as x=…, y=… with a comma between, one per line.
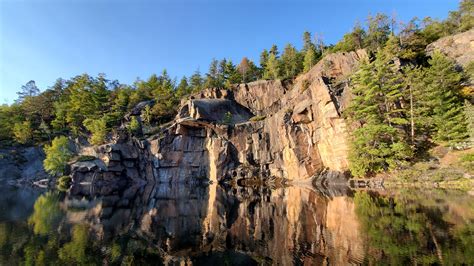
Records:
x=43, y=40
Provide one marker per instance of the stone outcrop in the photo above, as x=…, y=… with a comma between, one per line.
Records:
x=264, y=130
x=460, y=47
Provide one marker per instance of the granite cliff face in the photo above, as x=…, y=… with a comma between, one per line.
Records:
x=264, y=130
x=459, y=47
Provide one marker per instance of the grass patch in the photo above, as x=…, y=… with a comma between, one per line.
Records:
x=258, y=118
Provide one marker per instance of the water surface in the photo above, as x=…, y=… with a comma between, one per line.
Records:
x=213, y=225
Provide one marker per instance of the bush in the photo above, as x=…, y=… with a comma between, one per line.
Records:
x=63, y=183
x=467, y=158
x=23, y=132
x=258, y=118
x=134, y=125
x=57, y=156
x=227, y=118
x=98, y=129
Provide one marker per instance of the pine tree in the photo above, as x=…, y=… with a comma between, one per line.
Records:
x=380, y=139
x=292, y=63
x=309, y=60
x=196, y=81
x=183, y=88
x=272, y=71
x=28, y=90
x=443, y=85
x=264, y=59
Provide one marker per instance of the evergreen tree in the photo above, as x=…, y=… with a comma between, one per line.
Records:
x=183, y=88
x=233, y=76
x=212, y=76
x=380, y=141
x=264, y=59
x=291, y=61
x=309, y=60
x=351, y=41
x=443, y=85
x=28, y=90
x=274, y=50
x=98, y=130
x=272, y=71
x=196, y=81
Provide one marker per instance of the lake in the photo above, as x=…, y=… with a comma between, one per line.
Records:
x=219, y=225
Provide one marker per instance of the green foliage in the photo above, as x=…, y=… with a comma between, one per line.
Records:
x=351, y=41
x=227, y=118
x=75, y=252
x=272, y=70
x=310, y=60
x=442, y=88
x=291, y=62
x=401, y=230
x=258, y=118
x=57, y=156
x=23, y=132
x=146, y=115
x=134, y=126
x=63, y=183
x=98, y=129
x=46, y=214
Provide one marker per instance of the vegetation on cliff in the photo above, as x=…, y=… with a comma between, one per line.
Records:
x=404, y=99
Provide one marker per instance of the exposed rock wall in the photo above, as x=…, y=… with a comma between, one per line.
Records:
x=296, y=133
x=460, y=47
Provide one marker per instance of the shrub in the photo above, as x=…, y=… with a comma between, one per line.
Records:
x=64, y=182
x=23, y=132
x=134, y=125
x=57, y=156
x=257, y=118
x=98, y=129
x=227, y=118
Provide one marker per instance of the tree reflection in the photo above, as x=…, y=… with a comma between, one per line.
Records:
x=400, y=230
x=47, y=214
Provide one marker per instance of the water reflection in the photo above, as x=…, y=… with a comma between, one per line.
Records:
x=203, y=225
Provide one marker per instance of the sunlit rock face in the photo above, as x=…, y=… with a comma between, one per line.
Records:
x=459, y=47
x=297, y=130
x=264, y=130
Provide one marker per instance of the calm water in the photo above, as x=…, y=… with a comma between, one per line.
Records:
x=212, y=225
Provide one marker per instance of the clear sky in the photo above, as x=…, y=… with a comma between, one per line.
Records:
x=43, y=40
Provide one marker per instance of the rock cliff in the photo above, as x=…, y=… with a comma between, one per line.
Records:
x=460, y=47
x=265, y=130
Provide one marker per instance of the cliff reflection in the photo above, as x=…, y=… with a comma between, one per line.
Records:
x=203, y=225
x=286, y=225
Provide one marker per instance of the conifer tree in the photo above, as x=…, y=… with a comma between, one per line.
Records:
x=442, y=91
x=196, y=81
x=309, y=60
x=291, y=61
x=272, y=70
x=183, y=88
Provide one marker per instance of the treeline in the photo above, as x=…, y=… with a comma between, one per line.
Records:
x=93, y=106
x=405, y=102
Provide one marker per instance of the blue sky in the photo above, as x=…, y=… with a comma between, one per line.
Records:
x=45, y=40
